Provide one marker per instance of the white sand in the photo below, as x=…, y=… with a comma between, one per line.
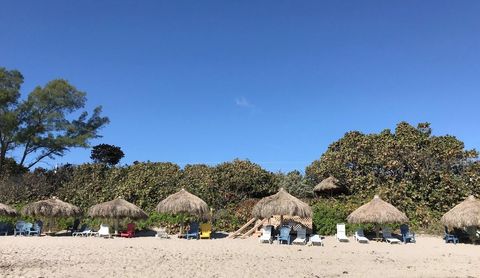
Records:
x=153, y=257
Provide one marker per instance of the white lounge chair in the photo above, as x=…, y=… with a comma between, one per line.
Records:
x=104, y=231
x=360, y=237
x=341, y=236
x=316, y=240
x=162, y=233
x=84, y=232
x=301, y=236
x=387, y=235
x=266, y=236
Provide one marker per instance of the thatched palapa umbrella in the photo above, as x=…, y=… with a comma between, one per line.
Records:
x=50, y=209
x=116, y=209
x=328, y=186
x=184, y=202
x=7, y=211
x=281, y=203
x=377, y=212
x=464, y=215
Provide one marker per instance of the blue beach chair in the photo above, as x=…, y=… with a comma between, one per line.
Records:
x=284, y=234
x=449, y=237
x=194, y=231
x=407, y=235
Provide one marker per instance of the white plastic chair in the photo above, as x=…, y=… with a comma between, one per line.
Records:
x=301, y=236
x=27, y=227
x=341, y=235
x=360, y=237
x=104, y=231
x=266, y=234
x=387, y=235
x=316, y=240
x=18, y=228
x=162, y=233
x=35, y=230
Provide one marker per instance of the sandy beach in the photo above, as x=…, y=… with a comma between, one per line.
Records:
x=153, y=257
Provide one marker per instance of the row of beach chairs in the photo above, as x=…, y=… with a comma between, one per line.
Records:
x=301, y=238
x=23, y=228
x=359, y=236
x=284, y=237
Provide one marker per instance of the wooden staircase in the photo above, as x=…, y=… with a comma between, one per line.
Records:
x=238, y=233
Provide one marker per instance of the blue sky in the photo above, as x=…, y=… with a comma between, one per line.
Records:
x=272, y=81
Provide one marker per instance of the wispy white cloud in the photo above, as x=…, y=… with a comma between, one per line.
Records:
x=243, y=102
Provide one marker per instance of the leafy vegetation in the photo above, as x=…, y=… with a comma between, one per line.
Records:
x=38, y=126
x=106, y=154
x=421, y=174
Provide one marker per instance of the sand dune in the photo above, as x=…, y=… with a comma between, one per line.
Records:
x=153, y=257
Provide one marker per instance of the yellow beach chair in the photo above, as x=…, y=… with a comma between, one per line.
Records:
x=205, y=230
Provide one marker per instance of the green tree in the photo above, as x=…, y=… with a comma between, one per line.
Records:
x=413, y=169
x=295, y=184
x=106, y=154
x=241, y=179
x=42, y=125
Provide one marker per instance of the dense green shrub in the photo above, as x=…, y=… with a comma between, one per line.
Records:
x=326, y=216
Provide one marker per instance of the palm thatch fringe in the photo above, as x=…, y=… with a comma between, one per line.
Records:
x=115, y=209
x=51, y=208
x=377, y=211
x=328, y=184
x=281, y=203
x=184, y=202
x=465, y=214
x=7, y=210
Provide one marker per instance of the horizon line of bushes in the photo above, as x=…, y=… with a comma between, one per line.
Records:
x=421, y=174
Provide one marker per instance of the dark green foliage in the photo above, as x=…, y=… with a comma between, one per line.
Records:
x=326, y=216
x=421, y=174
x=295, y=184
x=106, y=154
x=40, y=126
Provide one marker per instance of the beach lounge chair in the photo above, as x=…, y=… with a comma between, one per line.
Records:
x=316, y=240
x=407, y=235
x=27, y=227
x=74, y=227
x=449, y=237
x=301, y=238
x=359, y=236
x=341, y=235
x=130, y=232
x=104, y=231
x=79, y=232
x=162, y=233
x=284, y=234
x=387, y=235
x=35, y=230
x=266, y=236
x=84, y=231
x=18, y=228
x=205, y=230
x=193, y=232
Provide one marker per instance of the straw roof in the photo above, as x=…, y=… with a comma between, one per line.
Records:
x=465, y=214
x=51, y=208
x=184, y=202
x=118, y=208
x=377, y=211
x=281, y=203
x=328, y=184
x=7, y=211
